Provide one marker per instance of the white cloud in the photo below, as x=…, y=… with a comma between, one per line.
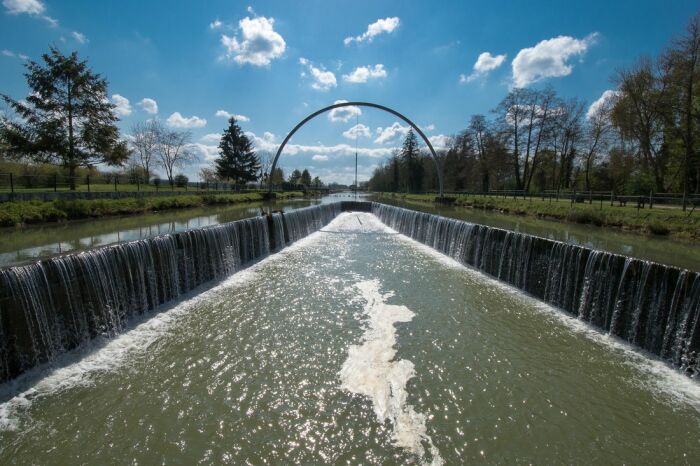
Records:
x=429, y=127
x=440, y=141
x=323, y=79
x=122, y=106
x=52, y=22
x=390, y=133
x=258, y=44
x=216, y=24
x=22, y=56
x=380, y=26
x=362, y=73
x=227, y=115
x=484, y=65
x=79, y=37
x=319, y=158
x=603, y=102
x=268, y=142
x=149, y=105
x=176, y=120
x=7, y=53
x=358, y=131
x=206, y=151
x=548, y=59
x=343, y=114
x=30, y=7
x=211, y=138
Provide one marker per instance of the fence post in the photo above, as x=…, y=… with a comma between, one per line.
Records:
x=612, y=198
x=88, y=183
x=12, y=184
x=651, y=200
x=138, y=183
x=115, y=183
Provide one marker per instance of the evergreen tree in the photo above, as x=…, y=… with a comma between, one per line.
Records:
x=237, y=160
x=295, y=177
x=305, y=178
x=410, y=153
x=67, y=117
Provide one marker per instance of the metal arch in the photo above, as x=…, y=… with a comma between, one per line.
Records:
x=357, y=104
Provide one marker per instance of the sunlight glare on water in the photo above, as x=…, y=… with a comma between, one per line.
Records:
x=354, y=346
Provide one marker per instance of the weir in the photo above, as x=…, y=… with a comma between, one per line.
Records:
x=55, y=305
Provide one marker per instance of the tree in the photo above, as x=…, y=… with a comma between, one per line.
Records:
x=410, y=155
x=277, y=176
x=237, y=160
x=144, y=141
x=295, y=177
x=316, y=182
x=174, y=152
x=208, y=175
x=67, y=117
x=305, y=178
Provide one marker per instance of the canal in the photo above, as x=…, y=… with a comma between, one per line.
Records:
x=355, y=345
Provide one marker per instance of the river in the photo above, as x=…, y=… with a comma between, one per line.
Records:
x=355, y=345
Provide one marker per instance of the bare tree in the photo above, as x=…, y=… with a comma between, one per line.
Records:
x=174, y=151
x=144, y=141
x=567, y=131
x=265, y=159
x=596, y=136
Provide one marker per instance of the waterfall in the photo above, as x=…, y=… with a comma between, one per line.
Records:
x=54, y=305
x=652, y=306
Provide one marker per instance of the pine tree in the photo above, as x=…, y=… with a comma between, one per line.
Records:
x=410, y=153
x=237, y=160
x=67, y=117
x=295, y=177
x=305, y=178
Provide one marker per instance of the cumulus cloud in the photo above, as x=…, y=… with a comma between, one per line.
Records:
x=227, y=115
x=216, y=24
x=122, y=106
x=390, y=133
x=323, y=79
x=483, y=66
x=149, y=105
x=603, y=102
x=343, y=114
x=549, y=59
x=381, y=26
x=440, y=142
x=258, y=43
x=205, y=151
x=268, y=142
x=176, y=120
x=79, y=37
x=362, y=73
x=211, y=138
x=358, y=131
x=319, y=158
x=30, y=7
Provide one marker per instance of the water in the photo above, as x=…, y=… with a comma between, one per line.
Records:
x=279, y=364
x=679, y=253
x=20, y=245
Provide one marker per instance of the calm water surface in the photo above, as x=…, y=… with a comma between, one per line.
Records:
x=354, y=346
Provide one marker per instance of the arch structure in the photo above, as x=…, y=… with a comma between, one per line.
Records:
x=358, y=104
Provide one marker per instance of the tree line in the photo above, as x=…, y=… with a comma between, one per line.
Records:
x=641, y=136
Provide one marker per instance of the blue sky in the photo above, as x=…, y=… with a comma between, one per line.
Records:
x=274, y=62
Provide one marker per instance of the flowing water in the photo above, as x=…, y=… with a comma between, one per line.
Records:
x=355, y=345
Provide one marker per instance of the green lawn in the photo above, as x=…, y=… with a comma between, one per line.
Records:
x=661, y=220
x=17, y=213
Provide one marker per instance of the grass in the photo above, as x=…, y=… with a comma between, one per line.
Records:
x=657, y=221
x=28, y=212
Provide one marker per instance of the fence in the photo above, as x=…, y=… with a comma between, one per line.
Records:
x=14, y=183
x=639, y=201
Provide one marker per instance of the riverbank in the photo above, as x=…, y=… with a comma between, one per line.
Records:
x=659, y=221
x=33, y=212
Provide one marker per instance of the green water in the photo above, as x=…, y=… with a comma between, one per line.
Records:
x=37, y=242
x=684, y=254
x=354, y=346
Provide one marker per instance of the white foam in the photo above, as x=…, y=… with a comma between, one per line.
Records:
x=78, y=367
x=659, y=377
x=370, y=370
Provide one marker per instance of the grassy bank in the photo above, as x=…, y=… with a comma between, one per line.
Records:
x=28, y=212
x=669, y=221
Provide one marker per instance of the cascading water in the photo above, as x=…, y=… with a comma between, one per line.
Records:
x=650, y=305
x=52, y=306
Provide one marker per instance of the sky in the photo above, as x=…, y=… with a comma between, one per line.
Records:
x=271, y=63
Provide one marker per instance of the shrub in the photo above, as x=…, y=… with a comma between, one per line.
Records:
x=181, y=180
x=658, y=228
